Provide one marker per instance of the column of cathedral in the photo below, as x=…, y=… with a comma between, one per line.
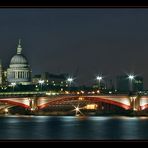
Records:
x=21, y=74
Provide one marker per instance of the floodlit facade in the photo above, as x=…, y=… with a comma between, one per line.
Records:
x=19, y=71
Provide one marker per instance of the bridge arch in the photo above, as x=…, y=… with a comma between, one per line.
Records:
x=22, y=102
x=117, y=101
x=143, y=104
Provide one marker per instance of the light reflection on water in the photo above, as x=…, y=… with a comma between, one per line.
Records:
x=73, y=128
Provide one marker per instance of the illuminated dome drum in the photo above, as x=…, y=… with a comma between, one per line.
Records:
x=19, y=70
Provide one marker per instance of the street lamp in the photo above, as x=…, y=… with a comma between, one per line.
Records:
x=13, y=85
x=99, y=78
x=41, y=82
x=131, y=77
x=69, y=80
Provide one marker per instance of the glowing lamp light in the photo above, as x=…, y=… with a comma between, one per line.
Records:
x=99, y=78
x=13, y=84
x=41, y=81
x=6, y=110
x=77, y=109
x=70, y=80
x=131, y=77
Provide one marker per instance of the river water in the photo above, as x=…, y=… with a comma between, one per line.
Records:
x=73, y=128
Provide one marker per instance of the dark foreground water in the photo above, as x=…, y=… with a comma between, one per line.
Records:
x=73, y=128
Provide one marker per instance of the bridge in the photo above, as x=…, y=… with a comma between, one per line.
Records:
x=40, y=100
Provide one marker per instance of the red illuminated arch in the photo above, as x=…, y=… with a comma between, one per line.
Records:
x=11, y=102
x=144, y=107
x=87, y=98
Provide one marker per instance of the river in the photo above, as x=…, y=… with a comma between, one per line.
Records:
x=73, y=128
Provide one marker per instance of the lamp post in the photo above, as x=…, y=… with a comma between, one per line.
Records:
x=99, y=78
x=131, y=77
x=13, y=85
x=41, y=82
x=69, y=81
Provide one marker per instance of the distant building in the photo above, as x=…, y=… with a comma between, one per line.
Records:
x=122, y=83
x=102, y=85
x=45, y=76
x=36, y=78
x=110, y=84
x=138, y=83
x=51, y=79
x=19, y=71
x=59, y=80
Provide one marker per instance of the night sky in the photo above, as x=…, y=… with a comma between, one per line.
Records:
x=81, y=41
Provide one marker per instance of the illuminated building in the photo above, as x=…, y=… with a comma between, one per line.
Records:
x=52, y=79
x=19, y=71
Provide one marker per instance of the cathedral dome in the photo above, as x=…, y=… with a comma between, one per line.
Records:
x=18, y=59
x=19, y=71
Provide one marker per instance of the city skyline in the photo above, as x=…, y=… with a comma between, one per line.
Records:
x=82, y=42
